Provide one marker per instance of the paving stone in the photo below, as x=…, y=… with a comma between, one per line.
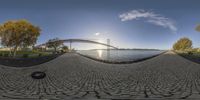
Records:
x=73, y=77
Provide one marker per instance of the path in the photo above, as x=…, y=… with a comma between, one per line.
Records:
x=71, y=76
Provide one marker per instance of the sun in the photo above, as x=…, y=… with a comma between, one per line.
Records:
x=97, y=34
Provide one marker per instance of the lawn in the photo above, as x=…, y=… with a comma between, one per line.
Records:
x=192, y=55
x=26, y=58
x=25, y=54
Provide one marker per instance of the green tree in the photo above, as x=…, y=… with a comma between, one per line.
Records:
x=54, y=43
x=183, y=44
x=65, y=48
x=198, y=28
x=18, y=33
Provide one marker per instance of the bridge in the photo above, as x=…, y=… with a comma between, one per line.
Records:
x=81, y=41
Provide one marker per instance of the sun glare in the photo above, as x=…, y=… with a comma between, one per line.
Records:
x=99, y=46
x=97, y=34
x=99, y=53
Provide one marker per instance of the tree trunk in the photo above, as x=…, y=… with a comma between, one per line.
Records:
x=14, y=51
x=55, y=49
x=10, y=52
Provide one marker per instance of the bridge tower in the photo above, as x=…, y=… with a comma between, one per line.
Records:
x=108, y=48
x=108, y=43
x=70, y=45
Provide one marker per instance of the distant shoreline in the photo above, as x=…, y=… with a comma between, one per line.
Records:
x=126, y=49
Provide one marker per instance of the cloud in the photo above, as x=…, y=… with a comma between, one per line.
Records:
x=149, y=17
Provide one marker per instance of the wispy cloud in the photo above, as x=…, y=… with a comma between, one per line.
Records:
x=150, y=17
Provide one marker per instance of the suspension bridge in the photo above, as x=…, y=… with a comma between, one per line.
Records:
x=81, y=41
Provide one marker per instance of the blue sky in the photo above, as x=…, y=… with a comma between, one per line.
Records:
x=128, y=23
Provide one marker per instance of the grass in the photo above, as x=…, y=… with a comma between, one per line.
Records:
x=191, y=55
x=26, y=58
x=25, y=54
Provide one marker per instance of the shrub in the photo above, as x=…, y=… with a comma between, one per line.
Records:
x=25, y=55
x=190, y=53
x=65, y=49
x=1, y=54
x=6, y=55
x=40, y=54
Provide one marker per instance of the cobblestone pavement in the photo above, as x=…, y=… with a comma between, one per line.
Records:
x=71, y=76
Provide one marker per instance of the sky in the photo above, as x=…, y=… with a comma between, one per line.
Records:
x=153, y=24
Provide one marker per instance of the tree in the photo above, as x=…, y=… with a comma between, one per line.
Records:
x=54, y=43
x=18, y=33
x=198, y=28
x=65, y=48
x=183, y=44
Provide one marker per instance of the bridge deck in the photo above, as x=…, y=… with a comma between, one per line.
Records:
x=82, y=41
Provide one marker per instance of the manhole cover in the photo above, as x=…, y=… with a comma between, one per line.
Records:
x=38, y=75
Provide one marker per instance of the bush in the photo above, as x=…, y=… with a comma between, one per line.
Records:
x=25, y=55
x=65, y=49
x=6, y=55
x=1, y=54
x=55, y=52
x=198, y=50
x=40, y=54
x=190, y=53
x=25, y=49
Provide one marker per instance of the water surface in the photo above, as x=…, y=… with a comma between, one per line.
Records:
x=120, y=55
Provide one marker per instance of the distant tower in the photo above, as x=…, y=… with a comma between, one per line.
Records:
x=70, y=45
x=108, y=43
x=108, y=48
